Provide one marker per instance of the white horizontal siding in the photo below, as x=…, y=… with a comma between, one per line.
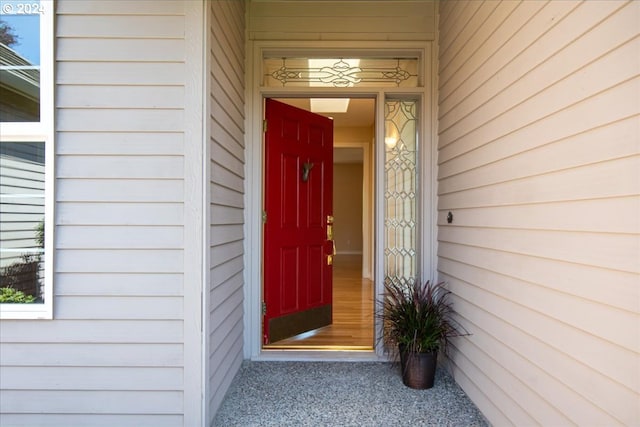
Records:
x=105, y=167
x=224, y=327
x=100, y=355
x=594, y=249
x=119, y=284
x=114, y=237
x=97, y=378
x=126, y=120
x=104, y=420
x=114, y=353
x=115, y=7
x=120, y=190
x=120, y=308
x=107, y=50
x=531, y=86
x=113, y=96
x=127, y=143
x=145, y=74
x=539, y=162
x=563, y=215
x=136, y=213
x=563, y=153
x=92, y=331
x=90, y=403
x=124, y=25
x=339, y=20
x=119, y=261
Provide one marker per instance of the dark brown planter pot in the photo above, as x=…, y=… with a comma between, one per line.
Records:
x=418, y=369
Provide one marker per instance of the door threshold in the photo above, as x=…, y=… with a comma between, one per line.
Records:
x=317, y=347
x=323, y=355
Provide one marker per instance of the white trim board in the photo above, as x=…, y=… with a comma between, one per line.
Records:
x=195, y=215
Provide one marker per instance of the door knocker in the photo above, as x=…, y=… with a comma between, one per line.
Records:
x=306, y=169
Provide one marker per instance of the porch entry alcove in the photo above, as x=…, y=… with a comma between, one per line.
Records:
x=316, y=300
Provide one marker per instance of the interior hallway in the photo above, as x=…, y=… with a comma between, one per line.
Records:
x=353, y=305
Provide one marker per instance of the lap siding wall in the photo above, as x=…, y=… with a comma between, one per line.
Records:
x=114, y=353
x=538, y=161
x=226, y=172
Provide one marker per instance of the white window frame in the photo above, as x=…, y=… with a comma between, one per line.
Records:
x=42, y=131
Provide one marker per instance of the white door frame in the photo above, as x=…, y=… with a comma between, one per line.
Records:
x=254, y=96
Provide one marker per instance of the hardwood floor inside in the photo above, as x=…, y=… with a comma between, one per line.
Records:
x=353, y=322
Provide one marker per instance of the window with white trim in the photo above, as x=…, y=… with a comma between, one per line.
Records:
x=26, y=159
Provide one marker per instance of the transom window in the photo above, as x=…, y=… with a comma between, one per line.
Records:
x=341, y=72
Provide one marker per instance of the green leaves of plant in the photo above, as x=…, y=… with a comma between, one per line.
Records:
x=418, y=316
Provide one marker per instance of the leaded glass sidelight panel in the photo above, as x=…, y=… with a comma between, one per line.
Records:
x=401, y=192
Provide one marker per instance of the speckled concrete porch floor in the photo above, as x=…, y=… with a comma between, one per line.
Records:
x=340, y=394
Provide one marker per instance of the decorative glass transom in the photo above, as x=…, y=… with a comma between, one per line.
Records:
x=341, y=72
x=401, y=192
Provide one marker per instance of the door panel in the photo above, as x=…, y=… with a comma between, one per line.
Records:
x=298, y=201
x=290, y=261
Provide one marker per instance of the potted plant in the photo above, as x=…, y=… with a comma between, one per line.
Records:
x=417, y=319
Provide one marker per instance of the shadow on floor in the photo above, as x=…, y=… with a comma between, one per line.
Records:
x=340, y=394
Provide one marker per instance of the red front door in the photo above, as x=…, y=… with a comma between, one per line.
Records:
x=298, y=246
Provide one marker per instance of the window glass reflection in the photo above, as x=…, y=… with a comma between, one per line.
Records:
x=20, y=62
x=22, y=181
